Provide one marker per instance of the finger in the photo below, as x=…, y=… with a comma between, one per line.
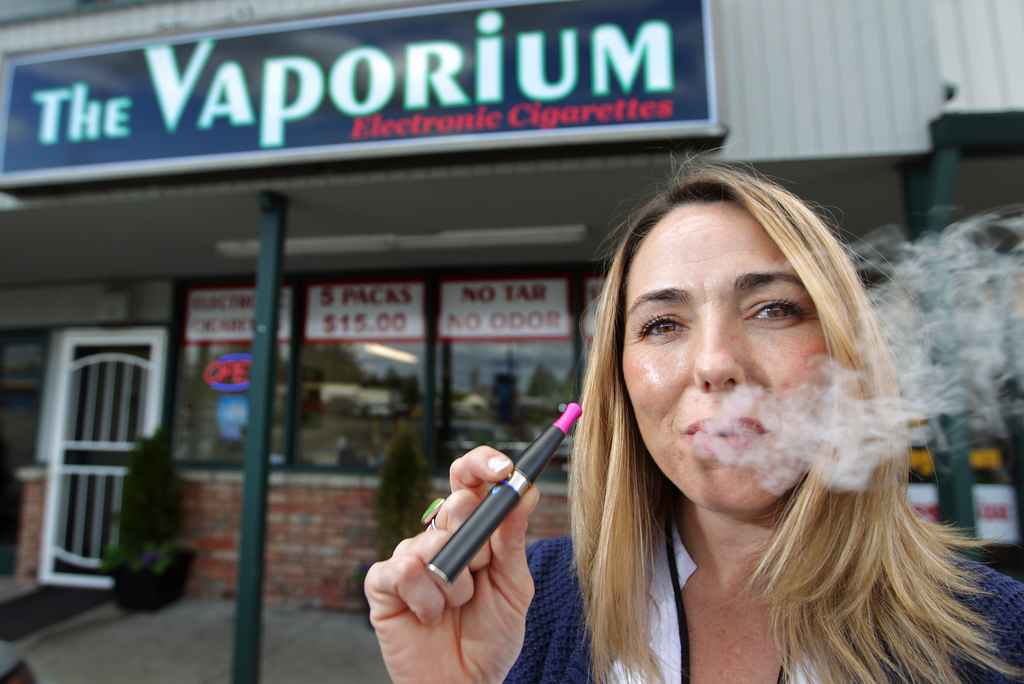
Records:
x=479, y=468
x=403, y=583
x=509, y=539
x=457, y=507
x=508, y=570
x=456, y=510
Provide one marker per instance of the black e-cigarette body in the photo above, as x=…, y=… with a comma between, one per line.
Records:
x=502, y=498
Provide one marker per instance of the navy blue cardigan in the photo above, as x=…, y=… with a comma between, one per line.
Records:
x=556, y=649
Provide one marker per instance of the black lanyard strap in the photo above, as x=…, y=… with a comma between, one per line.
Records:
x=677, y=592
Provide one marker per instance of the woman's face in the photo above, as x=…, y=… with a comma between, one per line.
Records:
x=723, y=347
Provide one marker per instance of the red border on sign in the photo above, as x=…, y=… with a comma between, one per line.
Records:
x=224, y=286
x=361, y=340
x=568, y=336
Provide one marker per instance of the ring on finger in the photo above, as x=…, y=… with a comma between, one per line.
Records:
x=430, y=515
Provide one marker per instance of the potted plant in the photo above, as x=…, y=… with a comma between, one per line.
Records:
x=405, y=490
x=147, y=565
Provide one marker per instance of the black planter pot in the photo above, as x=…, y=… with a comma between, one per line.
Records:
x=146, y=591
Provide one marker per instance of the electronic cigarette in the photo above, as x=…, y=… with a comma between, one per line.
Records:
x=502, y=498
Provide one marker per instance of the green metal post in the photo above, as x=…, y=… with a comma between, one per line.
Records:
x=944, y=170
x=249, y=604
x=953, y=473
x=917, y=193
x=429, y=429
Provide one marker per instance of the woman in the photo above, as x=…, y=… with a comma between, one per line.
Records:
x=716, y=532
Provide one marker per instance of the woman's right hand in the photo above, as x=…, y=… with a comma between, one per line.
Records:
x=473, y=630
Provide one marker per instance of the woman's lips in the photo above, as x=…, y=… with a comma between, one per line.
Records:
x=721, y=427
x=724, y=438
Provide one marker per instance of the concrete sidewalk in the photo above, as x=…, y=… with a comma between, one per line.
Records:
x=190, y=642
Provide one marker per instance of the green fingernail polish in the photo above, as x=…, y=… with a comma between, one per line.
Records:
x=431, y=510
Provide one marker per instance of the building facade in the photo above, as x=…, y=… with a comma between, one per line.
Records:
x=444, y=177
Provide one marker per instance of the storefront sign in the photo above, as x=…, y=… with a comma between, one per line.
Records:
x=502, y=309
x=924, y=497
x=592, y=285
x=457, y=76
x=995, y=509
x=225, y=315
x=342, y=311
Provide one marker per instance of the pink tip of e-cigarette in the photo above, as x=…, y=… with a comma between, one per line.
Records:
x=572, y=412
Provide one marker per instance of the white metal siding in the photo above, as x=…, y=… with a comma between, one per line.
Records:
x=156, y=18
x=981, y=53
x=826, y=78
x=86, y=304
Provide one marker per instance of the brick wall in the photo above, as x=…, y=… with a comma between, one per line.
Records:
x=320, y=531
x=30, y=524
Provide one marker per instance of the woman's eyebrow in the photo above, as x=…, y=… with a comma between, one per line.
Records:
x=753, y=281
x=672, y=295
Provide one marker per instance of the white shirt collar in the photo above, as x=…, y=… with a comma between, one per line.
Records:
x=662, y=621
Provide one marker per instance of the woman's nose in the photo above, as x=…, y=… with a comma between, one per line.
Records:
x=717, y=366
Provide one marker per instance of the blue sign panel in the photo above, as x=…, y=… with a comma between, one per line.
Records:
x=473, y=75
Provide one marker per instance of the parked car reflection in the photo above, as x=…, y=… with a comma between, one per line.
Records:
x=463, y=435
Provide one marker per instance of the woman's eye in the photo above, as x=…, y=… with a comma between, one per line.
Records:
x=660, y=326
x=779, y=310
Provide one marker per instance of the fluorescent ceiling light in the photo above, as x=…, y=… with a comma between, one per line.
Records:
x=390, y=242
x=390, y=353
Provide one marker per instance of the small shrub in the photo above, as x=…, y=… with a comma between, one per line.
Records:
x=404, y=492
x=150, y=516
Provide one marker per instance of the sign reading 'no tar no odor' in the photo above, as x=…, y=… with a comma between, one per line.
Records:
x=459, y=76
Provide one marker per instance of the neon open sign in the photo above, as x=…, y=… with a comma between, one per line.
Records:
x=229, y=373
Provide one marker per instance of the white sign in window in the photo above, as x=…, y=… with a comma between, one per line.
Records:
x=366, y=311
x=924, y=497
x=995, y=509
x=501, y=309
x=592, y=285
x=226, y=315
x=995, y=506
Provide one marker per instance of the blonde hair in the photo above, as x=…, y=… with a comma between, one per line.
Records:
x=858, y=587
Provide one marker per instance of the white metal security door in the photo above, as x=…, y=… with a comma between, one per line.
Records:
x=107, y=397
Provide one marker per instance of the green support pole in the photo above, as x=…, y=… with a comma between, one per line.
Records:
x=945, y=167
x=430, y=375
x=953, y=473
x=249, y=604
x=916, y=192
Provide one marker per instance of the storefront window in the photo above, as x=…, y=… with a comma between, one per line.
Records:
x=212, y=413
x=213, y=417
x=501, y=394
x=21, y=366
x=505, y=363
x=362, y=369
x=592, y=286
x=355, y=397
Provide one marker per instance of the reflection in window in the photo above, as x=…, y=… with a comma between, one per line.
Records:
x=212, y=414
x=20, y=384
x=501, y=394
x=354, y=398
